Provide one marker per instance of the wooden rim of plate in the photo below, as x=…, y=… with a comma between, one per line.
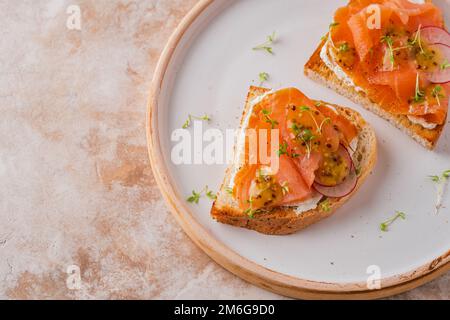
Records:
x=252, y=272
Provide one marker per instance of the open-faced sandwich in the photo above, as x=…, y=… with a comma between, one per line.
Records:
x=392, y=57
x=323, y=154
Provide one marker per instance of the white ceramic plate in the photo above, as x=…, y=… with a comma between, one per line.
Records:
x=207, y=68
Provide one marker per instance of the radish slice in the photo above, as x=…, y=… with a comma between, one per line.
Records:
x=441, y=75
x=343, y=189
x=435, y=35
x=343, y=152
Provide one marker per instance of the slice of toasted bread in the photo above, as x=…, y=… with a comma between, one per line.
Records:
x=318, y=71
x=285, y=220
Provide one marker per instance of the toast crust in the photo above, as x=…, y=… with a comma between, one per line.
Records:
x=318, y=71
x=285, y=220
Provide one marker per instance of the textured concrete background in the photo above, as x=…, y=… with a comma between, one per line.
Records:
x=76, y=185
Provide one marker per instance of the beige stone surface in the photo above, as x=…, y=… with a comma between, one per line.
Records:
x=76, y=185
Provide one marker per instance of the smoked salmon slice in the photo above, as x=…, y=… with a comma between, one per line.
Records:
x=305, y=130
x=392, y=57
x=402, y=81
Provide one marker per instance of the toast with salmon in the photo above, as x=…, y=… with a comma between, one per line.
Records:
x=399, y=69
x=315, y=154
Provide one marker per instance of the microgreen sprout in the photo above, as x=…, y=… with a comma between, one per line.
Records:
x=273, y=123
x=263, y=77
x=384, y=226
x=285, y=188
x=195, y=196
x=390, y=43
x=319, y=127
x=445, y=65
x=443, y=177
x=441, y=182
x=188, y=122
x=267, y=46
x=333, y=24
x=418, y=39
x=211, y=195
x=418, y=94
x=307, y=136
x=308, y=109
x=324, y=121
x=436, y=93
x=325, y=205
x=250, y=212
x=343, y=47
x=283, y=150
